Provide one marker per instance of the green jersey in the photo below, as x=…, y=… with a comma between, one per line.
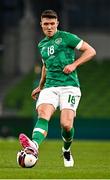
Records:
x=57, y=52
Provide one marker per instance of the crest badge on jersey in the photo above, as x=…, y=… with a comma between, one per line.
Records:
x=58, y=40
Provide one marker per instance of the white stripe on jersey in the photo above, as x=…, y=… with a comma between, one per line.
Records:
x=79, y=45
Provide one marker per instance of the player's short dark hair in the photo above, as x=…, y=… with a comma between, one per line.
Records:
x=49, y=14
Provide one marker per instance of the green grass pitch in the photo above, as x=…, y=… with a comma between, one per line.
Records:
x=92, y=161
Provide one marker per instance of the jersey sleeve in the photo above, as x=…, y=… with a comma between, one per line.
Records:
x=73, y=40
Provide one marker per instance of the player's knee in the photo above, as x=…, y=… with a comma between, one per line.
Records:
x=42, y=113
x=67, y=126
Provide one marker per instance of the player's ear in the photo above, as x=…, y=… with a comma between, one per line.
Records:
x=41, y=24
x=57, y=23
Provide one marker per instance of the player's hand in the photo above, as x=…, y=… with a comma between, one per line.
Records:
x=69, y=68
x=35, y=93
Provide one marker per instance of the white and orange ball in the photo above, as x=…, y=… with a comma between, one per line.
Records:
x=27, y=158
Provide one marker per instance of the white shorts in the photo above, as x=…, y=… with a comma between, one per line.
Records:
x=63, y=97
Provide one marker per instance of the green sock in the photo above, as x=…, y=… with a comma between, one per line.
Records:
x=67, y=137
x=40, y=130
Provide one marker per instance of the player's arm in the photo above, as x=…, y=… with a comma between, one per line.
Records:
x=88, y=52
x=36, y=91
x=43, y=77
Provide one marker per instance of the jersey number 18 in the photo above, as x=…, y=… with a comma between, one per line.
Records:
x=50, y=50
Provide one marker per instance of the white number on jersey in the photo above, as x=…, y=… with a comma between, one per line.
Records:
x=50, y=50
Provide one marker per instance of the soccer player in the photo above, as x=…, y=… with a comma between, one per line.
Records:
x=59, y=85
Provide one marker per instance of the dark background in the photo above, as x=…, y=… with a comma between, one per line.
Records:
x=19, y=34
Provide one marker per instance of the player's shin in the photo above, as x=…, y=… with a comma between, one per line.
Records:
x=40, y=131
x=67, y=137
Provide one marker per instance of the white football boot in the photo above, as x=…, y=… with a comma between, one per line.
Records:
x=67, y=157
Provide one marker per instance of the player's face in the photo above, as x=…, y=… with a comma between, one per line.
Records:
x=49, y=26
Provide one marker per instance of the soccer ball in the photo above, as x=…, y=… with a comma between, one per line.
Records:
x=27, y=158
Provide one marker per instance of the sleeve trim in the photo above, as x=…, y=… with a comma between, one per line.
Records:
x=79, y=45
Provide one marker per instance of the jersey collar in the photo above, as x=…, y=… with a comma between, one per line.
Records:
x=54, y=36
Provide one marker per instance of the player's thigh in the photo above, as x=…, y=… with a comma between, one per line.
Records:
x=45, y=111
x=47, y=102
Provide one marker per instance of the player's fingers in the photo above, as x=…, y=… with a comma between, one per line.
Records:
x=34, y=92
x=66, y=71
x=33, y=97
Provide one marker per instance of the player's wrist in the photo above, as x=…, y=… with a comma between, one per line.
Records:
x=76, y=63
x=41, y=86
